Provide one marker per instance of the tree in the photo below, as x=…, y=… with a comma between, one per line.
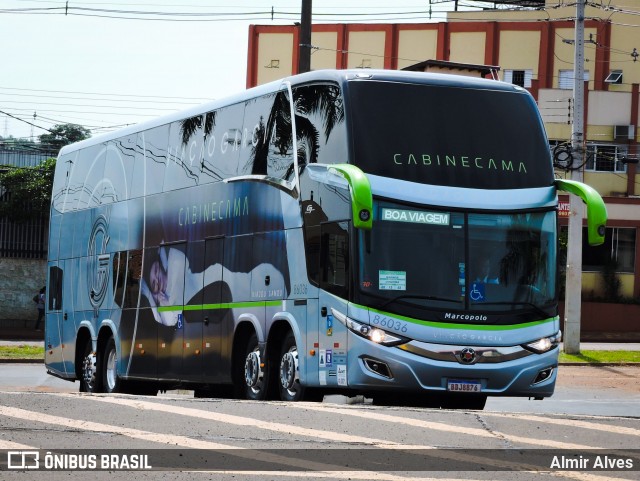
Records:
x=25, y=192
x=64, y=134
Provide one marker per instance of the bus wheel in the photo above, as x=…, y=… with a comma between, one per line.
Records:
x=90, y=377
x=290, y=388
x=110, y=378
x=256, y=379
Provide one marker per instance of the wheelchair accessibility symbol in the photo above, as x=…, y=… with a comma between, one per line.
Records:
x=477, y=292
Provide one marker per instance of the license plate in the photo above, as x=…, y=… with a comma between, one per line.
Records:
x=459, y=385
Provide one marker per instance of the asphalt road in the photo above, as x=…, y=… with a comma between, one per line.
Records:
x=593, y=408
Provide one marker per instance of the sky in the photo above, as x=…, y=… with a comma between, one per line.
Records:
x=111, y=63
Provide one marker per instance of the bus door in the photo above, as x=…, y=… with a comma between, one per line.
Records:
x=193, y=315
x=214, y=297
x=53, y=344
x=166, y=266
x=138, y=326
x=270, y=277
x=334, y=291
x=67, y=318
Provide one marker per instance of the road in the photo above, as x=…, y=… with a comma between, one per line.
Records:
x=325, y=437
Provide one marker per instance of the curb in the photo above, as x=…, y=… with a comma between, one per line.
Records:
x=21, y=361
x=599, y=364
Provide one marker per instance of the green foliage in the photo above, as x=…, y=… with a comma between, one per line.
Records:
x=13, y=143
x=64, y=134
x=596, y=357
x=23, y=351
x=26, y=191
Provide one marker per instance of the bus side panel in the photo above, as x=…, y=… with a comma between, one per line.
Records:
x=145, y=342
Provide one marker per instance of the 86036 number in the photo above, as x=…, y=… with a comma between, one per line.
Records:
x=389, y=323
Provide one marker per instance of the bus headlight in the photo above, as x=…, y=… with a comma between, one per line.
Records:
x=545, y=344
x=373, y=334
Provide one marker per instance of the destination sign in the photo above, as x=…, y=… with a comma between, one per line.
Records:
x=415, y=216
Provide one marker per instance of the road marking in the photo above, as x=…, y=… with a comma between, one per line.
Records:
x=378, y=416
x=167, y=439
x=315, y=433
x=4, y=444
x=239, y=420
x=569, y=422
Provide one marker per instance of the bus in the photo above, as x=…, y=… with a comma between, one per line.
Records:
x=379, y=233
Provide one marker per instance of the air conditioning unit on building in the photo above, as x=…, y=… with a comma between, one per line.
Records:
x=624, y=132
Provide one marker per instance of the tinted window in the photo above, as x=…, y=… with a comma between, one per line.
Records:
x=154, y=158
x=320, y=127
x=449, y=136
x=184, y=153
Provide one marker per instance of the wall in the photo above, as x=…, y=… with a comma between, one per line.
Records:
x=20, y=280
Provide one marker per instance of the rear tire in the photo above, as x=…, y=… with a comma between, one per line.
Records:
x=110, y=379
x=288, y=372
x=112, y=382
x=90, y=378
x=255, y=372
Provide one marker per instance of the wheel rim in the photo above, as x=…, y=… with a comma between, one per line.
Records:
x=253, y=374
x=89, y=370
x=111, y=369
x=289, y=371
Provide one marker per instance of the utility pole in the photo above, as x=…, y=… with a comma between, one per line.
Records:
x=304, y=55
x=573, y=296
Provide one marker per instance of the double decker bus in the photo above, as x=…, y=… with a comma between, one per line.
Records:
x=384, y=233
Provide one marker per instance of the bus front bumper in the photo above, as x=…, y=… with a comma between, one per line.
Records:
x=375, y=367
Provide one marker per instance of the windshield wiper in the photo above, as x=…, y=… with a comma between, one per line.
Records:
x=539, y=310
x=412, y=296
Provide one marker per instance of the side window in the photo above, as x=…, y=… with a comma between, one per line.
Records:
x=119, y=274
x=150, y=161
x=214, y=258
x=320, y=125
x=238, y=266
x=223, y=129
x=121, y=154
x=132, y=279
x=54, y=289
x=164, y=275
x=194, y=274
x=64, y=166
x=312, y=251
x=334, y=258
x=184, y=153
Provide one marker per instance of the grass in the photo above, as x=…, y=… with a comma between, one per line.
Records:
x=596, y=357
x=21, y=352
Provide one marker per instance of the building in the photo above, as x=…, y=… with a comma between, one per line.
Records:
x=534, y=49
x=23, y=250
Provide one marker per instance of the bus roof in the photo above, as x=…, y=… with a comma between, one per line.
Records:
x=338, y=76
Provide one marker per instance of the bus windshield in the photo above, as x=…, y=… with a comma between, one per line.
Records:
x=455, y=261
x=450, y=136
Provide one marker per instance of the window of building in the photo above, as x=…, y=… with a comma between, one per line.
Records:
x=619, y=247
x=606, y=158
x=519, y=77
x=566, y=77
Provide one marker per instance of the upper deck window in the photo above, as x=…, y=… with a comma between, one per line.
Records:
x=441, y=135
